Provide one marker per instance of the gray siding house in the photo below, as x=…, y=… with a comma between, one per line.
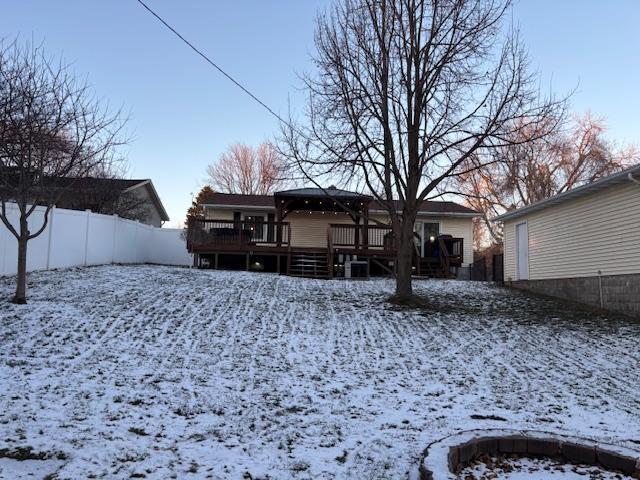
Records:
x=581, y=245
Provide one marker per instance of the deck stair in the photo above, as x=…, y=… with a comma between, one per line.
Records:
x=433, y=267
x=310, y=264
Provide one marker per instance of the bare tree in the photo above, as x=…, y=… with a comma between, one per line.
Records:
x=406, y=92
x=52, y=131
x=247, y=170
x=538, y=166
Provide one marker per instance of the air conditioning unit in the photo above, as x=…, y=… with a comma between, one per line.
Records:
x=356, y=269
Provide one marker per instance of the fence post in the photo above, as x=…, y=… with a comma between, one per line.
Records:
x=86, y=236
x=4, y=233
x=115, y=237
x=49, y=241
x=135, y=242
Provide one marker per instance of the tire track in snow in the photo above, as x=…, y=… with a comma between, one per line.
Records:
x=274, y=384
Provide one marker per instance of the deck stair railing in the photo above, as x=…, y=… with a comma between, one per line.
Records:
x=450, y=252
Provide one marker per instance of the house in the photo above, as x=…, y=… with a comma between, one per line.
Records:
x=132, y=199
x=325, y=233
x=582, y=245
x=129, y=199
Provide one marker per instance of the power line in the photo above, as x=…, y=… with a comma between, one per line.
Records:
x=228, y=76
x=211, y=62
x=248, y=92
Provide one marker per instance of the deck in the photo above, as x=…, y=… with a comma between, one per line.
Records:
x=375, y=243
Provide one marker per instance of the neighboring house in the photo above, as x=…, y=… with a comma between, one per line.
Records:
x=308, y=232
x=132, y=199
x=582, y=245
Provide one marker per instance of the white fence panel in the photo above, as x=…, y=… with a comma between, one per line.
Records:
x=125, y=241
x=101, y=240
x=143, y=243
x=76, y=238
x=168, y=247
x=68, y=230
x=5, y=238
x=10, y=244
x=36, y=259
x=38, y=249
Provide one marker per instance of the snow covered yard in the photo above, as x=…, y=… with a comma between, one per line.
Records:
x=158, y=372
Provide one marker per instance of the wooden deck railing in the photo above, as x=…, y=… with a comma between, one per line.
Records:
x=246, y=234
x=360, y=237
x=451, y=250
x=210, y=233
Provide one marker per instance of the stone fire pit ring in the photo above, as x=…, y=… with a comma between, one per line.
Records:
x=443, y=459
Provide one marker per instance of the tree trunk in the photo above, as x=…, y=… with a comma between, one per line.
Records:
x=404, y=261
x=21, y=287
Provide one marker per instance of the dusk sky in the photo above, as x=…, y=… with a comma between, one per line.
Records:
x=183, y=113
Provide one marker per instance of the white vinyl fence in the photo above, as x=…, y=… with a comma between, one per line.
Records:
x=76, y=238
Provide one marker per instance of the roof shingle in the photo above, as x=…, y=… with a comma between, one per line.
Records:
x=431, y=206
x=240, y=200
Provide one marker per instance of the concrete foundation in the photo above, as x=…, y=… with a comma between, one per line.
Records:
x=617, y=293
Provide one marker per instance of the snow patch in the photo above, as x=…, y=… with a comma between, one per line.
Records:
x=162, y=372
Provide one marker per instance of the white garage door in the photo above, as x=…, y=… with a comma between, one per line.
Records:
x=522, y=252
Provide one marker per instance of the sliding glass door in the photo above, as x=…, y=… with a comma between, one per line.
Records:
x=430, y=232
x=255, y=223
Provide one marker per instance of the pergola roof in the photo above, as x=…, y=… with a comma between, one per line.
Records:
x=331, y=192
x=434, y=207
x=319, y=199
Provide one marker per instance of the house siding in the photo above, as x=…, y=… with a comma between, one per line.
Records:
x=310, y=229
x=580, y=237
x=151, y=214
x=509, y=250
x=461, y=228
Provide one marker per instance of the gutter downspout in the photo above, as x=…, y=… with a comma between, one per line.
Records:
x=633, y=179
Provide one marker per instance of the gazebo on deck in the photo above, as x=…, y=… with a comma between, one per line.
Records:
x=331, y=199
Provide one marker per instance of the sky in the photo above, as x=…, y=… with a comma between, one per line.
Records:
x=183, y=114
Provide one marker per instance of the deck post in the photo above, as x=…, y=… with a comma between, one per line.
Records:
x=279, y=224
x=278, y=263
x=365, y=231
x=247, y=261
x=215, y=261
